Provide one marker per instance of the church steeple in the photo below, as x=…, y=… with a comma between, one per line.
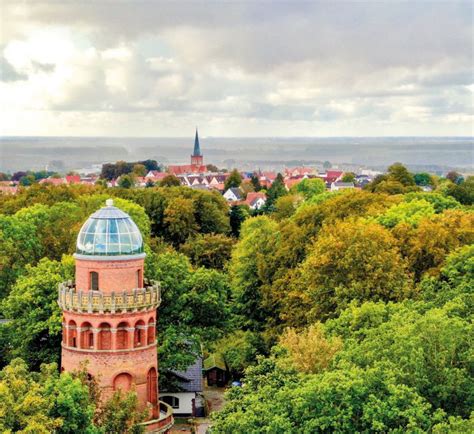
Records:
x=197, y=148
x=197, y=157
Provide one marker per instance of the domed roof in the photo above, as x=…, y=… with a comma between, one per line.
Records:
x=109, y=232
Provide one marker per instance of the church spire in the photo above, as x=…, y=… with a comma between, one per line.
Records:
x=197, y=148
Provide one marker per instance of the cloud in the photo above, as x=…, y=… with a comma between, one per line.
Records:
x=313, y=64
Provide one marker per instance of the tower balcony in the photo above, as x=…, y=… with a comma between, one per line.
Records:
x=140, y=299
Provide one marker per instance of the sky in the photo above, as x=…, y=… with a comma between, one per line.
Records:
x=236, y=69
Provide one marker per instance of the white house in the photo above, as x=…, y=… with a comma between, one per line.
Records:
x=233, y=194
x=187, y=401
x=339, y=185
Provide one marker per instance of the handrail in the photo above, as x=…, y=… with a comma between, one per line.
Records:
x=71, y=299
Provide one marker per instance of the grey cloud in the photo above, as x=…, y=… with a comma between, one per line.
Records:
x=9, y=73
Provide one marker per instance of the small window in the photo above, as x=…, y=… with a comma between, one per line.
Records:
x=94, y=279
x=171, y=400
x=91, y=340
x=139, y=278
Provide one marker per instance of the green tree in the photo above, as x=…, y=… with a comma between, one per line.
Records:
x=423, y=179
x=276, y=190
x=249, y=269
x=348, y=177
x=398, y=172
x=233, y=180
x=454, y=177
x=238, y=214
x=464, y=192
x=208, y=250
x=139, y=170
x=170, y=181
x=20, y=246
x=179, y=220
x=439, y=201
x=310, y=187
x=407, y=212
x=126, y=181
x=255, y=182
x=34, y=329
x=352, y=261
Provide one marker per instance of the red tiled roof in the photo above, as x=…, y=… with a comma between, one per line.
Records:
x=73, y=179
x=187, y=168
x=54, y=181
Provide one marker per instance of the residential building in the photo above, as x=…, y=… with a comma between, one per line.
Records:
x=233, y=194
x=339, y=185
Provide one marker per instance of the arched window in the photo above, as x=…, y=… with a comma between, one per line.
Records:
x=105, y=337
x=123, y=382
x=139, y=339
x=152, y=386
x=72, y=334
x=87, y=336
x=122, y=336
x=151, y=331
x=94, y=280
x=139, y=279
x=171, y=400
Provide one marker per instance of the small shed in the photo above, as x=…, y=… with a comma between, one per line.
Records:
x=215, y=370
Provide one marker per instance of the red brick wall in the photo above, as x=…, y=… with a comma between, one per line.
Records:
x=113, y=275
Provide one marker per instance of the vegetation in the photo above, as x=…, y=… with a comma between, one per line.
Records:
x=343, y=311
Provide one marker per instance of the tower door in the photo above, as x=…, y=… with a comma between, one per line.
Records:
x=152, y=386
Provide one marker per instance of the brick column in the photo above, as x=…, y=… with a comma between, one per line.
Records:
x=113, y=332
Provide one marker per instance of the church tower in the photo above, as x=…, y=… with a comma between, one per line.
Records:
x=109, y=313
x=197, y=158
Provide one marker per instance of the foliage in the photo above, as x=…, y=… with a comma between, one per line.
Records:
x=170, y=181
x=19, y=246
x=208, y=250
x=406, y=212
x=34, y=329
x=276, y=190
x=462, y=192
x=240, y=350
x=423, y=179
x=348, y=177
x=255, y=182
x=233, y=180
x=286, y=206
x=439, y=201
x=120, y=415
x=238, y=214
x=310, y=351
x=126, y=181
x=310, y=187
x=353, y=261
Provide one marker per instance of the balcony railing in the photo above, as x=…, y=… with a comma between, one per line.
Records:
x=163, y=422
x=71, y=299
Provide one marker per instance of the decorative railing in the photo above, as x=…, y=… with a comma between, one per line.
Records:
x=71, y=299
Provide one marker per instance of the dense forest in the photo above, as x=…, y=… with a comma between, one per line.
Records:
x=345, y=311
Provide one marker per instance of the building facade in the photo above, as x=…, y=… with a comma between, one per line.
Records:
x=109, y=313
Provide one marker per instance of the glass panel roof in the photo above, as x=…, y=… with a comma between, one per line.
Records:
x=109, y=232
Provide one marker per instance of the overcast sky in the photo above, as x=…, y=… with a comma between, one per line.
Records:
x=268, y=68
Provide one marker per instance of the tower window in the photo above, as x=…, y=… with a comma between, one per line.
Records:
x=139, y=278
x=94, y=281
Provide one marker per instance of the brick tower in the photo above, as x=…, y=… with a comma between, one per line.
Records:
x=109, y=313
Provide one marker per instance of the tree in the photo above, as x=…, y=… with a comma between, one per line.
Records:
x=179, y=220
x=348, y=177
x=126, y=181
x=170, y=181
x=310, y=351
x=208, y=250
x=238, y=214
x=407, y=212
x=276, y=399
x=440, y=202
x=398, y=172
x=454, y=177
x=276, y=190
x=249, y=270
x=286, y=206
x=327, y=165
x=212, y=168
x=120, y=414
x=423, y=179
x=233, y=180
x=310, y=187
x=352, y=260
x=20, y=246
x=464, y=192
x=139, y=170
x=255, y=182
x=34, y=329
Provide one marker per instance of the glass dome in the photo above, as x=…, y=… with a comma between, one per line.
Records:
x=109, y=232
